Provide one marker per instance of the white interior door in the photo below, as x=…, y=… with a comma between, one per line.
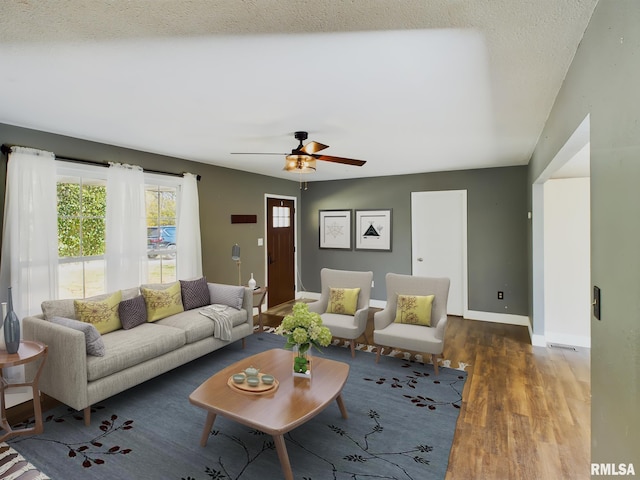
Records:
x=439, y=241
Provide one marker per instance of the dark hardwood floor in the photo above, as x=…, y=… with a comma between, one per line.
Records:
x=526, y=410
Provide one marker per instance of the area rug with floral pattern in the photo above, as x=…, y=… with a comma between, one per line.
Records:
x=401, y=423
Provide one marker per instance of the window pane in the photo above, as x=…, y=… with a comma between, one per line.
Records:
x=71, y=280
x=162, y=270
x=69, y=198
x=93, y=236
x=68, y=237
x=94, y=277
x=94, y=199
x=281, y=217
x=81, y=279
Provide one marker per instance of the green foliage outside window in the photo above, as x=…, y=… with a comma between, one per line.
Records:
x=81, y=219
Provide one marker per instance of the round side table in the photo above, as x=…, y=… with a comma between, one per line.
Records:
x=28, y=352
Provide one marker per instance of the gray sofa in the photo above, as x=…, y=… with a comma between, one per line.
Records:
x=131, y=356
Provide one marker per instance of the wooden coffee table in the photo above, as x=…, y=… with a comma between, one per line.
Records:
x=295, y=401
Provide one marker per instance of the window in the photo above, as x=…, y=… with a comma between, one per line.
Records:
x=82, y=193
x=281, y=217
x=161, y=232
x=81, y=233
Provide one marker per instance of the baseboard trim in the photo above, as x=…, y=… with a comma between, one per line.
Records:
x=311, y=295
x=378, y=303
x=507, y=318
x=567, y=339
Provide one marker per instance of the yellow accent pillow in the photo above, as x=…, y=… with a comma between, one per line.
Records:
x=343, y=300
x=162, y=303
x=102, y=314
x=414, y=309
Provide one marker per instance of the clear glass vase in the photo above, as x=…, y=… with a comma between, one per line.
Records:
x=11, y=328
x=302, y=361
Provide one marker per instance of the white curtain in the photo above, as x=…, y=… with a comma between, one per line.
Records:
x=126, y=232
x=30, y=231
x=188, y=241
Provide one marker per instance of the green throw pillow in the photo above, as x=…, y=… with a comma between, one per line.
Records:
x=102, y=314
x=343, y=300
x=162, y=303
x=414, y=309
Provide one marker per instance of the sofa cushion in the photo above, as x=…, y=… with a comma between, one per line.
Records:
x=133, y=312
x=162, y=302
x=65, y=308
x=196, y=326
x=229, y=295
x=92, y=338
x=195, y=293
x=103, y=314
x=414, y=309
x=128, y=348
x=343, y=300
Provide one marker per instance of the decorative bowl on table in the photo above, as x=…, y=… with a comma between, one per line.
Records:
x=268, y=379
x=238, y=378
x=253, y=381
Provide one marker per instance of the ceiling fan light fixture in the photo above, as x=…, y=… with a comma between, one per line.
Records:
x=300, y=163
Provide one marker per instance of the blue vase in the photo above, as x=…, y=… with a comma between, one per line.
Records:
x=11, y=328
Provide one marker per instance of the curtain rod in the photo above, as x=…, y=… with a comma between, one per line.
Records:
x=6, y=149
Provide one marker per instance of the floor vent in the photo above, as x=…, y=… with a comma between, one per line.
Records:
x=563, y=347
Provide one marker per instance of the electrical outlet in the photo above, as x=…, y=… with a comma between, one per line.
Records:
x=500, y=295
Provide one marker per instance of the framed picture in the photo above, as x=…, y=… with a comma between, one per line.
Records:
x=335, y=229
x=373, y=230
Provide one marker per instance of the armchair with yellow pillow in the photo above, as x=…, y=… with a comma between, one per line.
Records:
x=415, y=316
x=344, y=303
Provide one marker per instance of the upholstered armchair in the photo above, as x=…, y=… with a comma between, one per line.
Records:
x=401, y=327
x=343, y=310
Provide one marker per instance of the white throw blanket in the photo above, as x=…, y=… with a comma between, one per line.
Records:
x=221, y=320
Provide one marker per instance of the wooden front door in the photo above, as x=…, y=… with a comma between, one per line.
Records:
x=280, y=251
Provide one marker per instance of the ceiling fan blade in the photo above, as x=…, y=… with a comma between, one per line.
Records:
x=257, y=153
x=313, y=147
x=346, y=161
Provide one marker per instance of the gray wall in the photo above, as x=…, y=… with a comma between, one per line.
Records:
x=604, y=81
x=496, y=223
x=221, y=192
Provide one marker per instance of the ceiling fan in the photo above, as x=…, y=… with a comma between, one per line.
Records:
x=302, y=159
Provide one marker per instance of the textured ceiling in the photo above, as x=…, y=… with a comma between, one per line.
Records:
x=408, y=86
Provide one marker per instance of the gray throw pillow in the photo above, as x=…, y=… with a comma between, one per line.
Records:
x=195, y=293
x=226, y=295
x=93, y=340
x=132, y=312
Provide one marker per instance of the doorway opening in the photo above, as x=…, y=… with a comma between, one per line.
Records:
x=561, y=245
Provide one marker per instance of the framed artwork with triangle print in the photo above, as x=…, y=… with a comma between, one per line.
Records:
x=373, y=230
